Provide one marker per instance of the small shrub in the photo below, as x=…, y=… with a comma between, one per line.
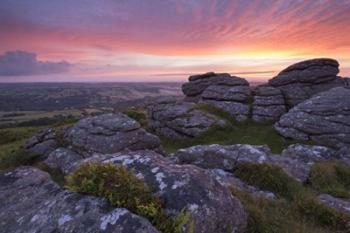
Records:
x=332, y=178
x=123, y=189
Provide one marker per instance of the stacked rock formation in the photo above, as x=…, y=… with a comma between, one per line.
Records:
x=302, y=80
x=268, y=104
x=223, y=91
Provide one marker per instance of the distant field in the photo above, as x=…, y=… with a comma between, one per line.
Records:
x=15, y=97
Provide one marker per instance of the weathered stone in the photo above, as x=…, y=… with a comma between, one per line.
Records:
x=239, y=111
x=63, y=159
x=42, y=143
x=180, y=120
x=211, y=205
x=198, y=83
x=323, y=119
x=227, y=93
x=31, y=202
x=268, y=104
x=302, y=80
x=342, y=205
x=110, y=133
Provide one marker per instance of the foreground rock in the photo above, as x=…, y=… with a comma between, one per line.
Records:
x=228, y=93
x=212, y=207
x=302, y=80
x=296, y=160
x=110, y=133
x=31, y=202
x=179, y=120
x=324, y=119
x=268, y=104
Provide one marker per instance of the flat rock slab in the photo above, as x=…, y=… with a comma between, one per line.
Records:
x=198, y=83
x=296, y=160
x=31, y=202
x=324, y=119
x=212, y=206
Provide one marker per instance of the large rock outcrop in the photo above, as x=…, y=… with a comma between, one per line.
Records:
x=211, y=205
x=324, y=119
x=268, y=104
x=228, y=93
x=179, y=120
x=110, y=133
x=31, y=202
x=302, y=80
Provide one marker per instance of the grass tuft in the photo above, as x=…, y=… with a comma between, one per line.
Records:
x=331, y=177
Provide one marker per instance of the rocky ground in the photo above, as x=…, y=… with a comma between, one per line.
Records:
x=210, y=186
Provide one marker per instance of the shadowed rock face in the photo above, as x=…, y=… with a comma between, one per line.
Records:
x=180, y=120
x=110, y=133
x=324, y=119
x=211, y=204
x=31, y=202
x=302, y=80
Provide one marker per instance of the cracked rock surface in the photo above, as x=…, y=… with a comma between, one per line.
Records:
x=179, y=120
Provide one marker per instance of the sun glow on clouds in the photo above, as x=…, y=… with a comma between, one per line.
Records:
x=170, y=39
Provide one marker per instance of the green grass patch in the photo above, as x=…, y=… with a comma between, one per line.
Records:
x=13, y=155
x=302, y=203
x=123, y=189
x=138, y=114
x=10, y=135
x=276, y=216
x=331, y=177
x=270, y=178
x=247, y=132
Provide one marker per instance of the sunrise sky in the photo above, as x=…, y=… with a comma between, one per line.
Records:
x=166, y=40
